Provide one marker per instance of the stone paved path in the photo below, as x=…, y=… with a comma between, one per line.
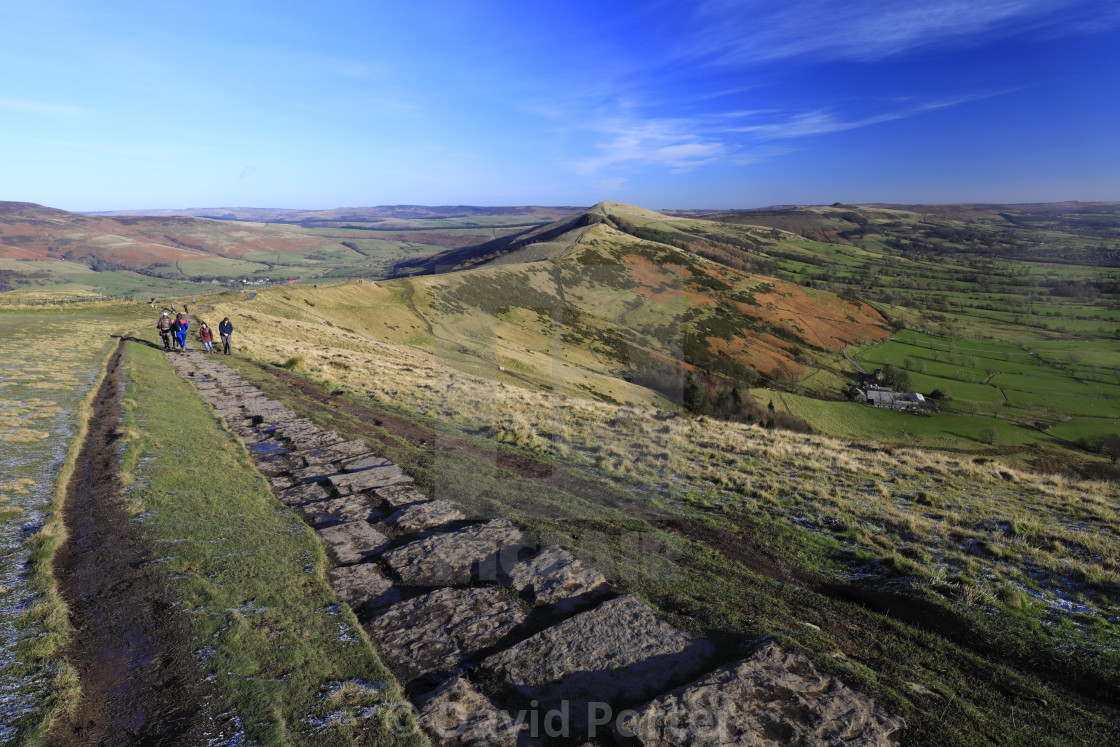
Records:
x=500, y=642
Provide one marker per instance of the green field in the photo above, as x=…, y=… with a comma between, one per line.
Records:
x=1013, y=315
x=991, y=384
x=74, y=276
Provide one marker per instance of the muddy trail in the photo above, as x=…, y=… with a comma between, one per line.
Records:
x=131, y=645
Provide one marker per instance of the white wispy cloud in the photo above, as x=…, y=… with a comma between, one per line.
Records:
x=750, y=31
x=824, y=121
x=42, y=107
x=737, y=137
x=671, y=143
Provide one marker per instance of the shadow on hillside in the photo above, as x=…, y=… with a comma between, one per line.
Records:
x=130, y=338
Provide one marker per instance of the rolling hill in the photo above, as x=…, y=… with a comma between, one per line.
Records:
x=583, y=307
x=30, y=231
x=380, y=212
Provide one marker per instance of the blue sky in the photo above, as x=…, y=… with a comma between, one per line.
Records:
x=705, y=104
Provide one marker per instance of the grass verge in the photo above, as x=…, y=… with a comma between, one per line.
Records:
x=290, y=664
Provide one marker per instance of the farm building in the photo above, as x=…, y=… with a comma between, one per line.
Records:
x=885, y=396
x=880, y=396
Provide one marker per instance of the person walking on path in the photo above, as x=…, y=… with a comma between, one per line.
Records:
x=225, y=329
x=181, y=333
x=164, y=327
x=176, y=325
x=206, y=337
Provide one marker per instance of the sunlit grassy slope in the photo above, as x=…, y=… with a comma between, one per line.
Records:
x=1028, y=564
x=609, y=307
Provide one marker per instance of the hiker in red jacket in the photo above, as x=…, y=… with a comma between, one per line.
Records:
x=206, y=337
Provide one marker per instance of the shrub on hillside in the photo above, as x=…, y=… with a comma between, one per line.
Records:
x=295, y=363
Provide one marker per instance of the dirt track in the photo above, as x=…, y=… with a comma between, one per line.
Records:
x=131, y=645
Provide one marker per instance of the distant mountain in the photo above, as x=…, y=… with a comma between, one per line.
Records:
x=727, y=244
x=681, y=292
x=360, y=214
x=31, y=231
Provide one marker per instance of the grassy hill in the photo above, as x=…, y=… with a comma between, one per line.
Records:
x=541, y=382
x=764, y=296
x=615, y=309
x=1010, y=310
x=375, y=214
x=948, y=587
x=46, y=247
x=29, y=231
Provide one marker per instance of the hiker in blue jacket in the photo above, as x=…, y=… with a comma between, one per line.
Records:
x=181, y=331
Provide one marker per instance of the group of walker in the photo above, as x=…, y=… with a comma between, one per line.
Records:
x=173, y=333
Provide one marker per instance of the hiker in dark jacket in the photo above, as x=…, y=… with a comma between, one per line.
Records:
x=164, y=327
x=225, y=329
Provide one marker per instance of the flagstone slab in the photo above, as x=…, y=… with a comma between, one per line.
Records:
x=456, y=714
x=368, y=479
x=475, y=552
x=339, y=511
x=303, y=493
x=246, y=431
x=273, y=466
x=293, y=433
x=555, y=577
x=436, y=632
x=353, y=541
x=336, y=452
x=313, y=473
x=772, y=699
x=367, y=461
x=425, y=516
x=363, y=586
x=400, y=495
x=316, y=442
x=281, y=481
x=617, y=653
